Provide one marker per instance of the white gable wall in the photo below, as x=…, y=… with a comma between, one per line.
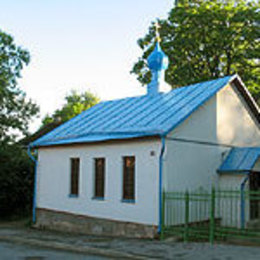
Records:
x=54, y=181
x=235, y=123
x=188, y=165
x=224, y=119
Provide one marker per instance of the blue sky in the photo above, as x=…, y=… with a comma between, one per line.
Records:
x=83, y=45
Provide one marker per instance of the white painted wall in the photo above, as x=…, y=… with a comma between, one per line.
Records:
x=231, y=208
x=190, y=165
x=230, y=181
x=54, y=181
x=235, y=123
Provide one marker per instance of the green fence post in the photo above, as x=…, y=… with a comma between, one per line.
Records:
x=187, y=209
x=212, y=216
x=163, y=216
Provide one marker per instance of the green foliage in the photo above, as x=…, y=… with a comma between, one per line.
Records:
x=16, y=181
x=16, y=170
x=206, y=39
x=15, y=110
x=75, y=104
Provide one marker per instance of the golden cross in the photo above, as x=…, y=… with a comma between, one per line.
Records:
x=157, y=34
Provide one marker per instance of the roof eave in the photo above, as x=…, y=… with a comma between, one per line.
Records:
x=233, y=171
x=126, y=139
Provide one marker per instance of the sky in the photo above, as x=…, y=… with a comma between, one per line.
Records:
x=79, y=44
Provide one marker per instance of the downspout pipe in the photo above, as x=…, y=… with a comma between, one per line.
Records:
x=35, y=183
x=242, y=201
x=161, y=183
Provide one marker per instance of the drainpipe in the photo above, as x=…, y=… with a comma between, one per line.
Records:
x=161, y=183
x=35, y=183
x=242, y=201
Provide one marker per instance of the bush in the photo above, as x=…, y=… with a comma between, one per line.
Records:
x=16, y=181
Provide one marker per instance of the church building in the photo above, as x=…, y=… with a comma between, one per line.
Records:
x=104, y=171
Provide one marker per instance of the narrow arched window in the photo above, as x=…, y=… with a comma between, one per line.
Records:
x=74, y=176
x=129, y=178
x=99, y=178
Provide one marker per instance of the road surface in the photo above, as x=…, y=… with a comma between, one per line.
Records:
x=22, y=252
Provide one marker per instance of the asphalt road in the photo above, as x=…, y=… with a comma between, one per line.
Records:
x=22, y=252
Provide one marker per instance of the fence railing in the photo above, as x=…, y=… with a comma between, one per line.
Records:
x=215, y=215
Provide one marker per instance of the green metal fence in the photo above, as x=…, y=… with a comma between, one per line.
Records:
x=211, y=216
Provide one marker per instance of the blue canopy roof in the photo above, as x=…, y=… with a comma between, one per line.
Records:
x=135, y=116
x=240, y=159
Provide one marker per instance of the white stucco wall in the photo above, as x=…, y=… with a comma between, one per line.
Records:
x=54, y=181
x=235, y=123
x=224, y=120
x=190, y=165
x=229, y=181
x=230, y=207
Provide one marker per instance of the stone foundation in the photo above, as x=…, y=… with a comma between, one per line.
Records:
x=64, y=221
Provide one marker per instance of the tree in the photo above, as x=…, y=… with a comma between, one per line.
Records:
x=15, y=110
x=75, y=103
x=206, y=39
x=16, y=169
x=16, y=181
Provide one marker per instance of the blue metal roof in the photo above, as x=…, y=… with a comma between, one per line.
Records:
x=240, y=159
x=135, y=116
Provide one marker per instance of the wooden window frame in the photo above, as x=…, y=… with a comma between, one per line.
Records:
x=129, y=188
x=74, y=176
x=99, y=194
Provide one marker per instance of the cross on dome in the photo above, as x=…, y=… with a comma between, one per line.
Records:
x=157, y=34
x=157, y=63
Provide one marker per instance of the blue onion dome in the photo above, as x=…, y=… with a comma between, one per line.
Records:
x=157, y=60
